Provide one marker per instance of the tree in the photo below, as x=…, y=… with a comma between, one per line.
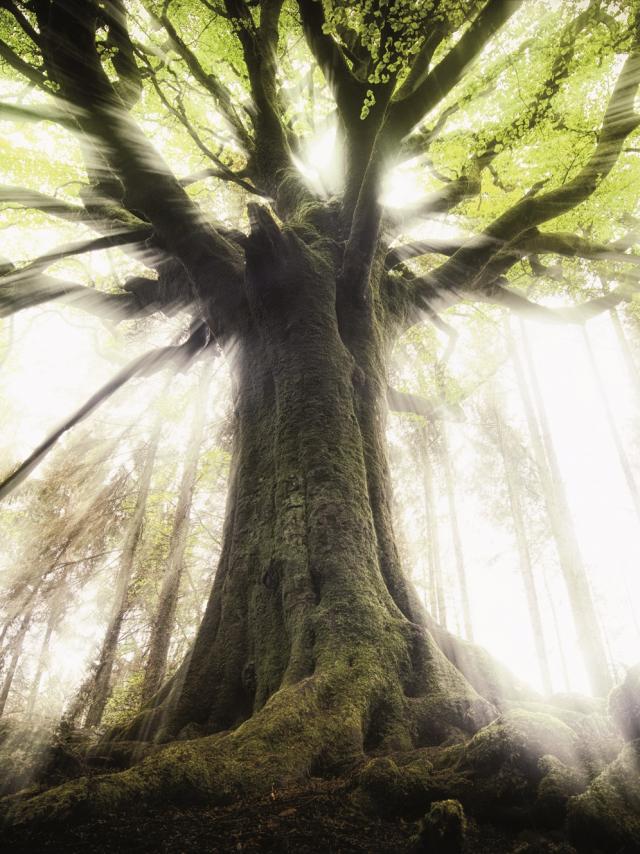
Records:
x=313, y=639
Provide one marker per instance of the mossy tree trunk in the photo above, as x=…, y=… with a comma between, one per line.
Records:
x=309, y=580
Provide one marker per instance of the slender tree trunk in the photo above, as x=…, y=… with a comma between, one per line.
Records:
x=556, y=629
x=100, y=685
x=450, y=488
x=627, y=355
x=582, y=608
x=526, y=570
x=52, y=620
x=163, y=621
x=436, y=591
x=16, y=645
x=625, y=465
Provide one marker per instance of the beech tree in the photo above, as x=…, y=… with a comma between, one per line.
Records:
x=520, y=122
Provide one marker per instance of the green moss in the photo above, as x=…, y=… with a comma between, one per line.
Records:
x=518, y=739
x=607, y=815
x=443, y=829
x=390, y=788
x=624, y=704
x=558, y=784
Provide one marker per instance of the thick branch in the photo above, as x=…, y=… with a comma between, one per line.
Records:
x=501, y=295
x=18, y=64
x=40, y=201
x=144, y=365
x=407, y=251
x=573, y=246
x=77, y=248
x=406, y=113
x=466, y=269
x=213, y=264
x=42, y=289
x=346, y=89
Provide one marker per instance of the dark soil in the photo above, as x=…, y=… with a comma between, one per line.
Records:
x=321, y=817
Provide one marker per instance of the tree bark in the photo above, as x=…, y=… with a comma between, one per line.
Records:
x=309, y=579
x=526, y=569
x=581, y=602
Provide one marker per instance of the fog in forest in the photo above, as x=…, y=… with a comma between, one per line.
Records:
x=299, y=301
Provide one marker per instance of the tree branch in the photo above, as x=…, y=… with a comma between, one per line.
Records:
x=573, y=246
x=404, y=114
x=77, y=248
x=498, y=294
x=466, y=268
x=72, y=60
x=18, y=64
x=346, y=89
x=144, y=365
x=42, y=289
x=211, y=84
x=400, y=401
x=40, y=201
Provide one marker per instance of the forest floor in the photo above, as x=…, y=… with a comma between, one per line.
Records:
x=321, y=817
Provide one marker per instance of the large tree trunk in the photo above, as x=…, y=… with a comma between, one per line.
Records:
x=581, y=602
x=309, y=590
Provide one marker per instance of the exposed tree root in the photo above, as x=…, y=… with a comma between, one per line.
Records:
x=550, y=768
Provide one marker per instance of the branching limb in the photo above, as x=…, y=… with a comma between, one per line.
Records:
x=144, y=365
x=407, y=251
x=400, y=401
x=33, y=75
x=346, y=89
x=573, y=246
x=80, y=247
x=72, y=60
x=404, y=114
x=499, y=294
x=466, y=269
x=21, y=19
x=211, y=84
x=42, y=289
x=40, y=201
